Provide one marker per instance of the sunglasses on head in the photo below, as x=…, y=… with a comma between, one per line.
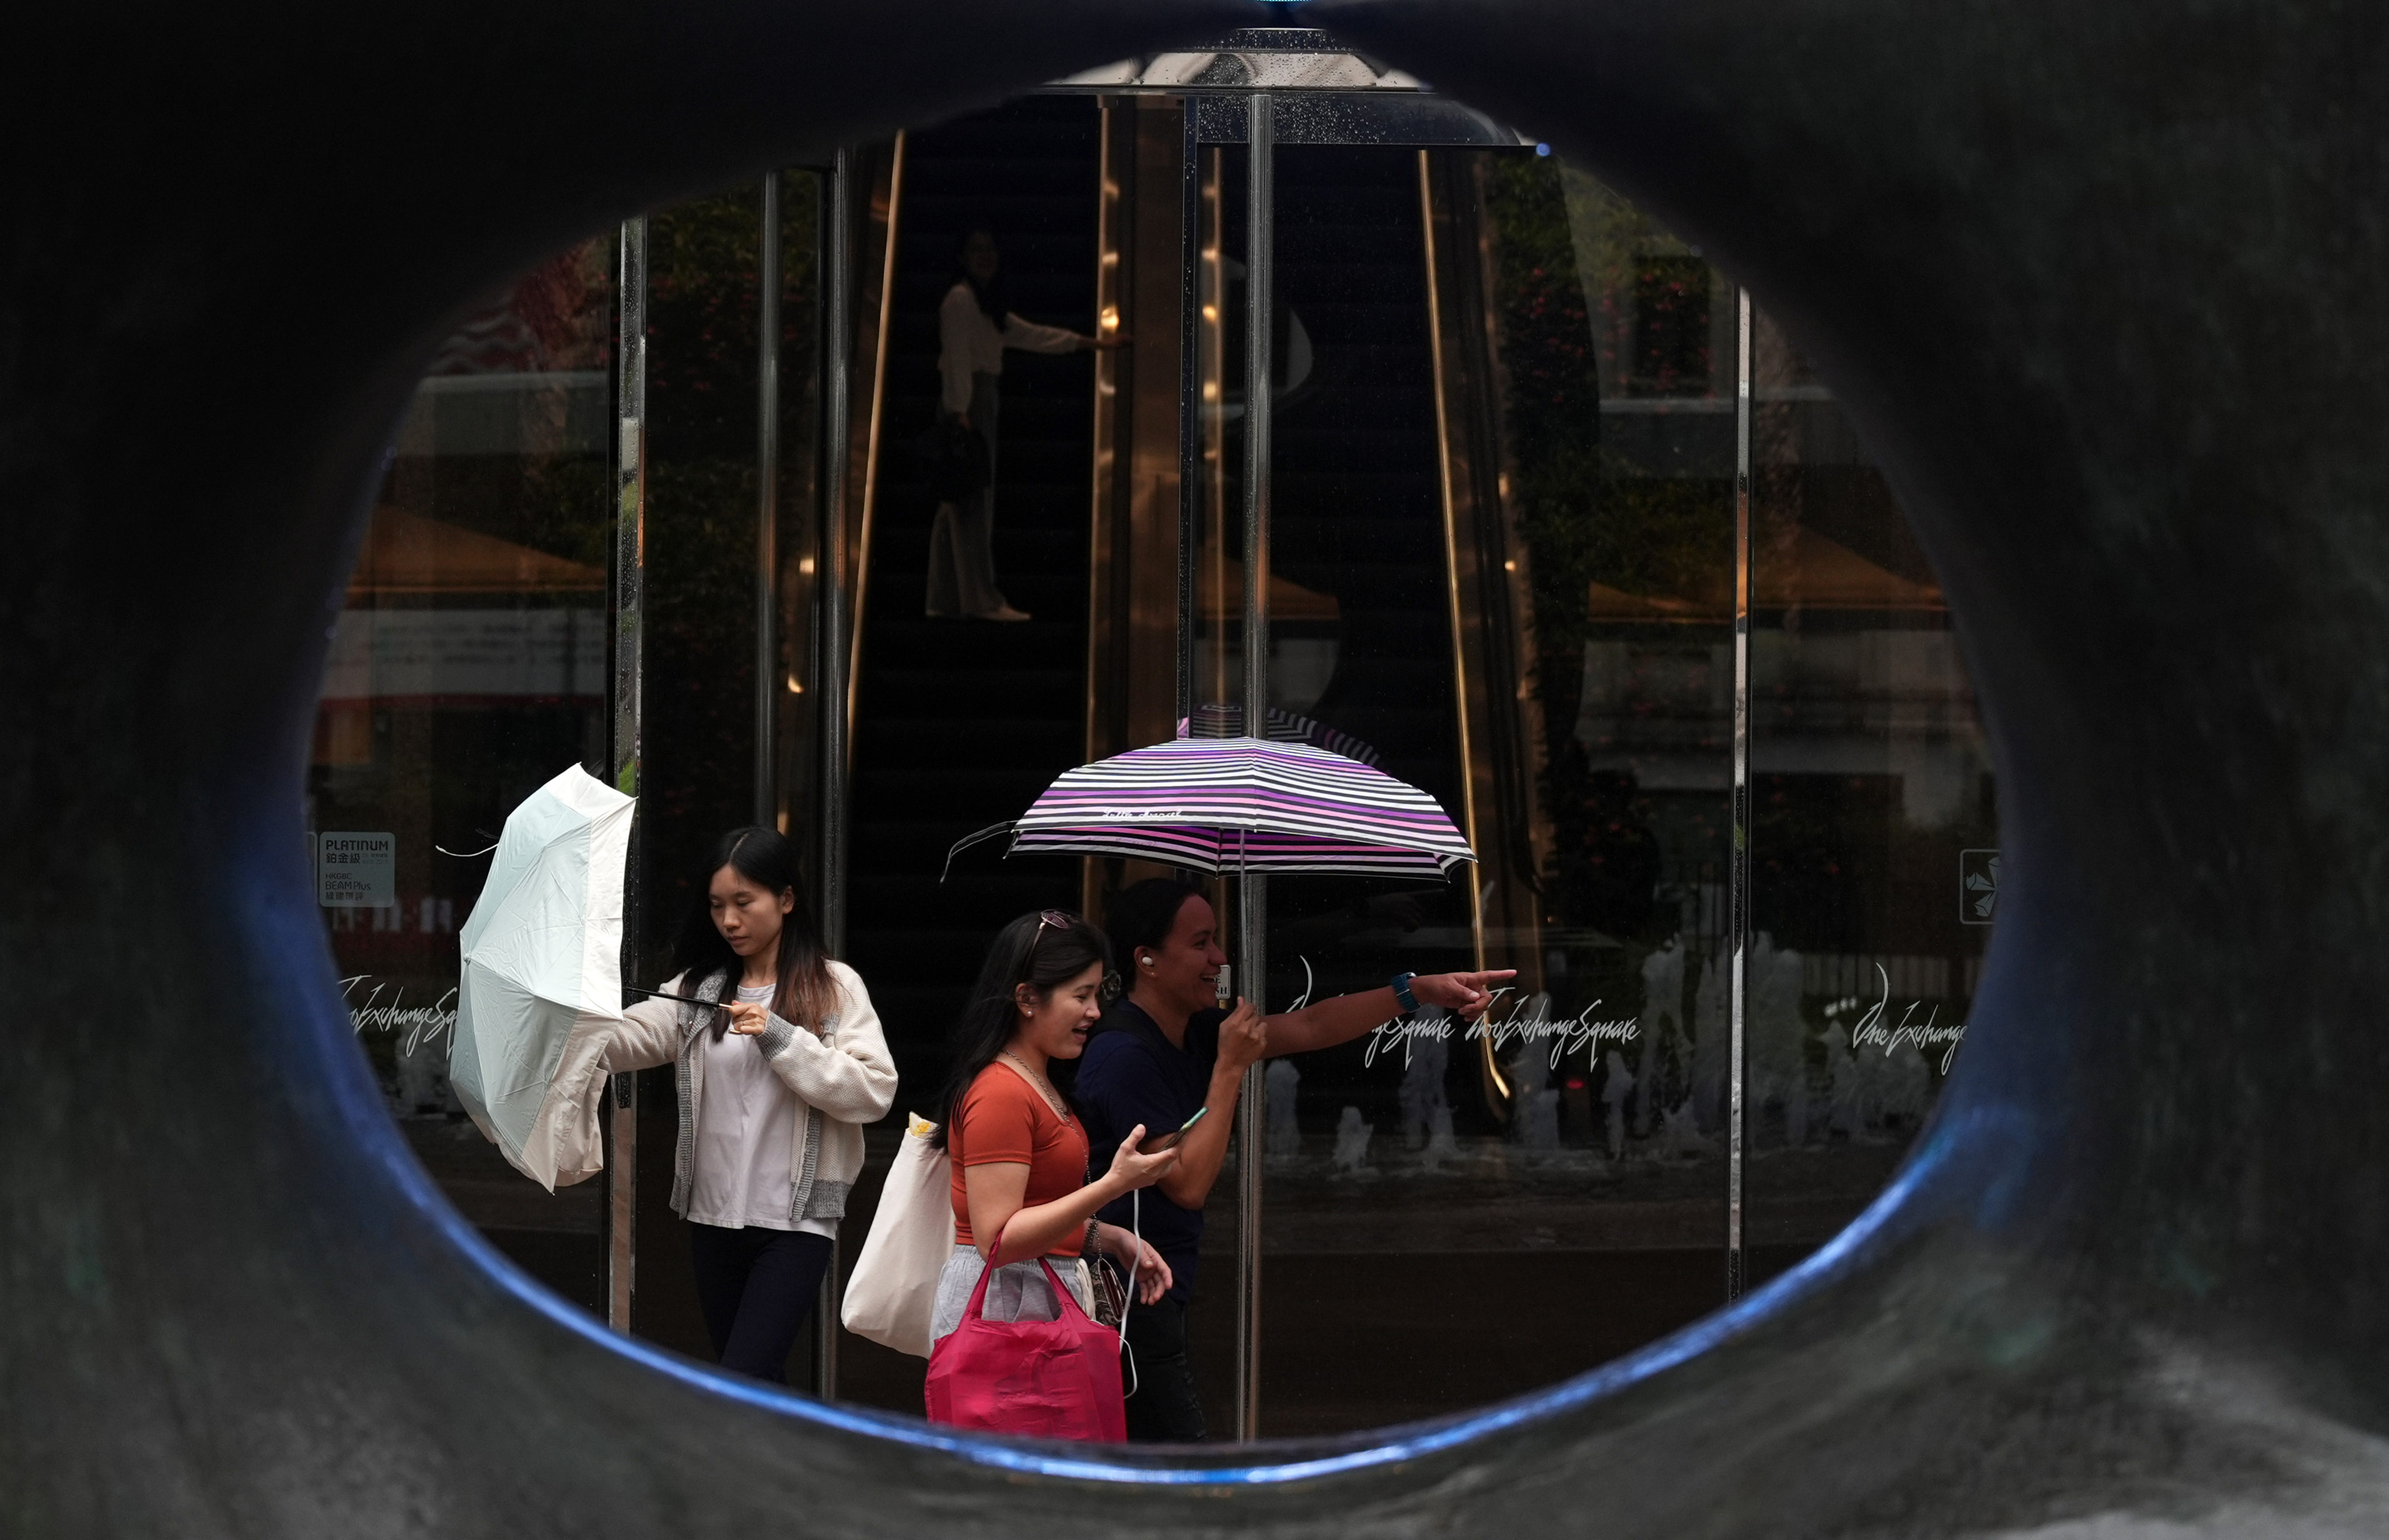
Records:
x=1106, y=992
x=1045, y=917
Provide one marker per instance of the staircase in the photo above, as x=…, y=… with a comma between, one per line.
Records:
x=961, y=723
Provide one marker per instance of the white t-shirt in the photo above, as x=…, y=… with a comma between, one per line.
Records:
x=748, y=1125
x=969, y=343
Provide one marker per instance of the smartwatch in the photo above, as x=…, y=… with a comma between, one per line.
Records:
x=1402, y=982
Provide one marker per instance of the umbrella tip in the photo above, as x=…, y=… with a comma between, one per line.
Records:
x=968, y=841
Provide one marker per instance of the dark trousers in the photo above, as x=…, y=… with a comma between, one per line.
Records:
x=757, y=1287
x=962, y=536
x=1164, y=1409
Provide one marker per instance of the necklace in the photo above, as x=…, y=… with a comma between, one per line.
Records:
x=1045, y=1086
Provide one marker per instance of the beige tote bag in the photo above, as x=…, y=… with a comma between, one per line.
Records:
x=894, y=1289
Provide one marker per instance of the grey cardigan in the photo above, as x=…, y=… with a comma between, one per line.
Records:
x=843, y=1076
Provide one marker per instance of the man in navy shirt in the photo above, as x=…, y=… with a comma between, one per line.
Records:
x=1166, y=1050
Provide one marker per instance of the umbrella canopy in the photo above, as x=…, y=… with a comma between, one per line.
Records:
x=543, y=973
x=1216, y=720
x=1245, y=804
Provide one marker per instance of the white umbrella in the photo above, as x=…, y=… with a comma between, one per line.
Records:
x=543, y=977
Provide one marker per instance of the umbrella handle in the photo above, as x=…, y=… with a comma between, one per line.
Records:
x=685, y=1000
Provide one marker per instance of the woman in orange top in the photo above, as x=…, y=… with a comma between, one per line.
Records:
x=1020, y=1185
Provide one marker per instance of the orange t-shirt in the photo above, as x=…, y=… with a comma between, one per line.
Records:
x=1002, y=1117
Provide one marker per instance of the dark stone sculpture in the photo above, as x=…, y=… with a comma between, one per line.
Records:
x=2103, y=282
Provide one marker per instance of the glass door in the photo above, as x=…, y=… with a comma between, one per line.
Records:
x=563, y=520
x=469, y=664
x=1560, y=529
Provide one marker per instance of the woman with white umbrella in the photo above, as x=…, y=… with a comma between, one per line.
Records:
x=775, y=1087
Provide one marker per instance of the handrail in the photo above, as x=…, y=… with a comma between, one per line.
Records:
x=1488, y=1066
x=871, y=441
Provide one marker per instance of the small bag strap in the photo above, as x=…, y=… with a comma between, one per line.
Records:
x=978, y=1296
x=1065, y=1296
x=1128, y=1303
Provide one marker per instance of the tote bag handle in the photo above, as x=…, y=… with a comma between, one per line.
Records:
x=1063, y=1296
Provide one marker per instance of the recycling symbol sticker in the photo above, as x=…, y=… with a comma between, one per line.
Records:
x=1979, y=885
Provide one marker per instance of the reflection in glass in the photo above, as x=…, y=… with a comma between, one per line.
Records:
x=703, y=650
x=1503, y=568
x=1875, y=860
x=1625, y=467
x=1217, y=647
x=471, y=661
x=1564, y=1170
x=468, y=667
x=1576, y=363
x=697, y=744
x=795, y=800
x=1359, y=1238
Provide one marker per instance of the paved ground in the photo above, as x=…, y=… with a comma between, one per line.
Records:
x=1387, y=1296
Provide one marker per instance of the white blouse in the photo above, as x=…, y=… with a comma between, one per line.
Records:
x=969, y=343
x=748, y=1130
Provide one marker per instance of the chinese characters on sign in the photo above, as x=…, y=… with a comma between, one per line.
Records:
x=356, y=870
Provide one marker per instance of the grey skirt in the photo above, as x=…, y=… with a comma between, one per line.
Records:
x=1019, y=1292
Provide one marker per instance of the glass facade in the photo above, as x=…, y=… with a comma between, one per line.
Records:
x=1560, y=1147
x=730, y=549
x=1874, y=859
x=1576, y=1160
x=469, y=666
x=1563, y=531
x=475, y=658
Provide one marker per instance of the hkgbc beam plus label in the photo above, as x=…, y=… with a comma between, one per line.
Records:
x=356, y=870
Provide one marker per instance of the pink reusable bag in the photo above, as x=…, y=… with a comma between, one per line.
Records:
x=1054, y=1378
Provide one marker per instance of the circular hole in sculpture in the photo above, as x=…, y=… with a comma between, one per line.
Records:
x=1507, y=422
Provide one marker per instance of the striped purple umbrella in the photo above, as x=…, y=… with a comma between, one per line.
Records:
x=1243, y=805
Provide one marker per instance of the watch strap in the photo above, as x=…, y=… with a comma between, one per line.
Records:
x=1402, y=982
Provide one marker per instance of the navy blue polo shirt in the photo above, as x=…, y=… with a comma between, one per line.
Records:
x=1131, y=1073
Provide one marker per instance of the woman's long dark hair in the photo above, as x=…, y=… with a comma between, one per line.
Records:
x=994, y=297
x=1019, y=955
x=805, y=994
